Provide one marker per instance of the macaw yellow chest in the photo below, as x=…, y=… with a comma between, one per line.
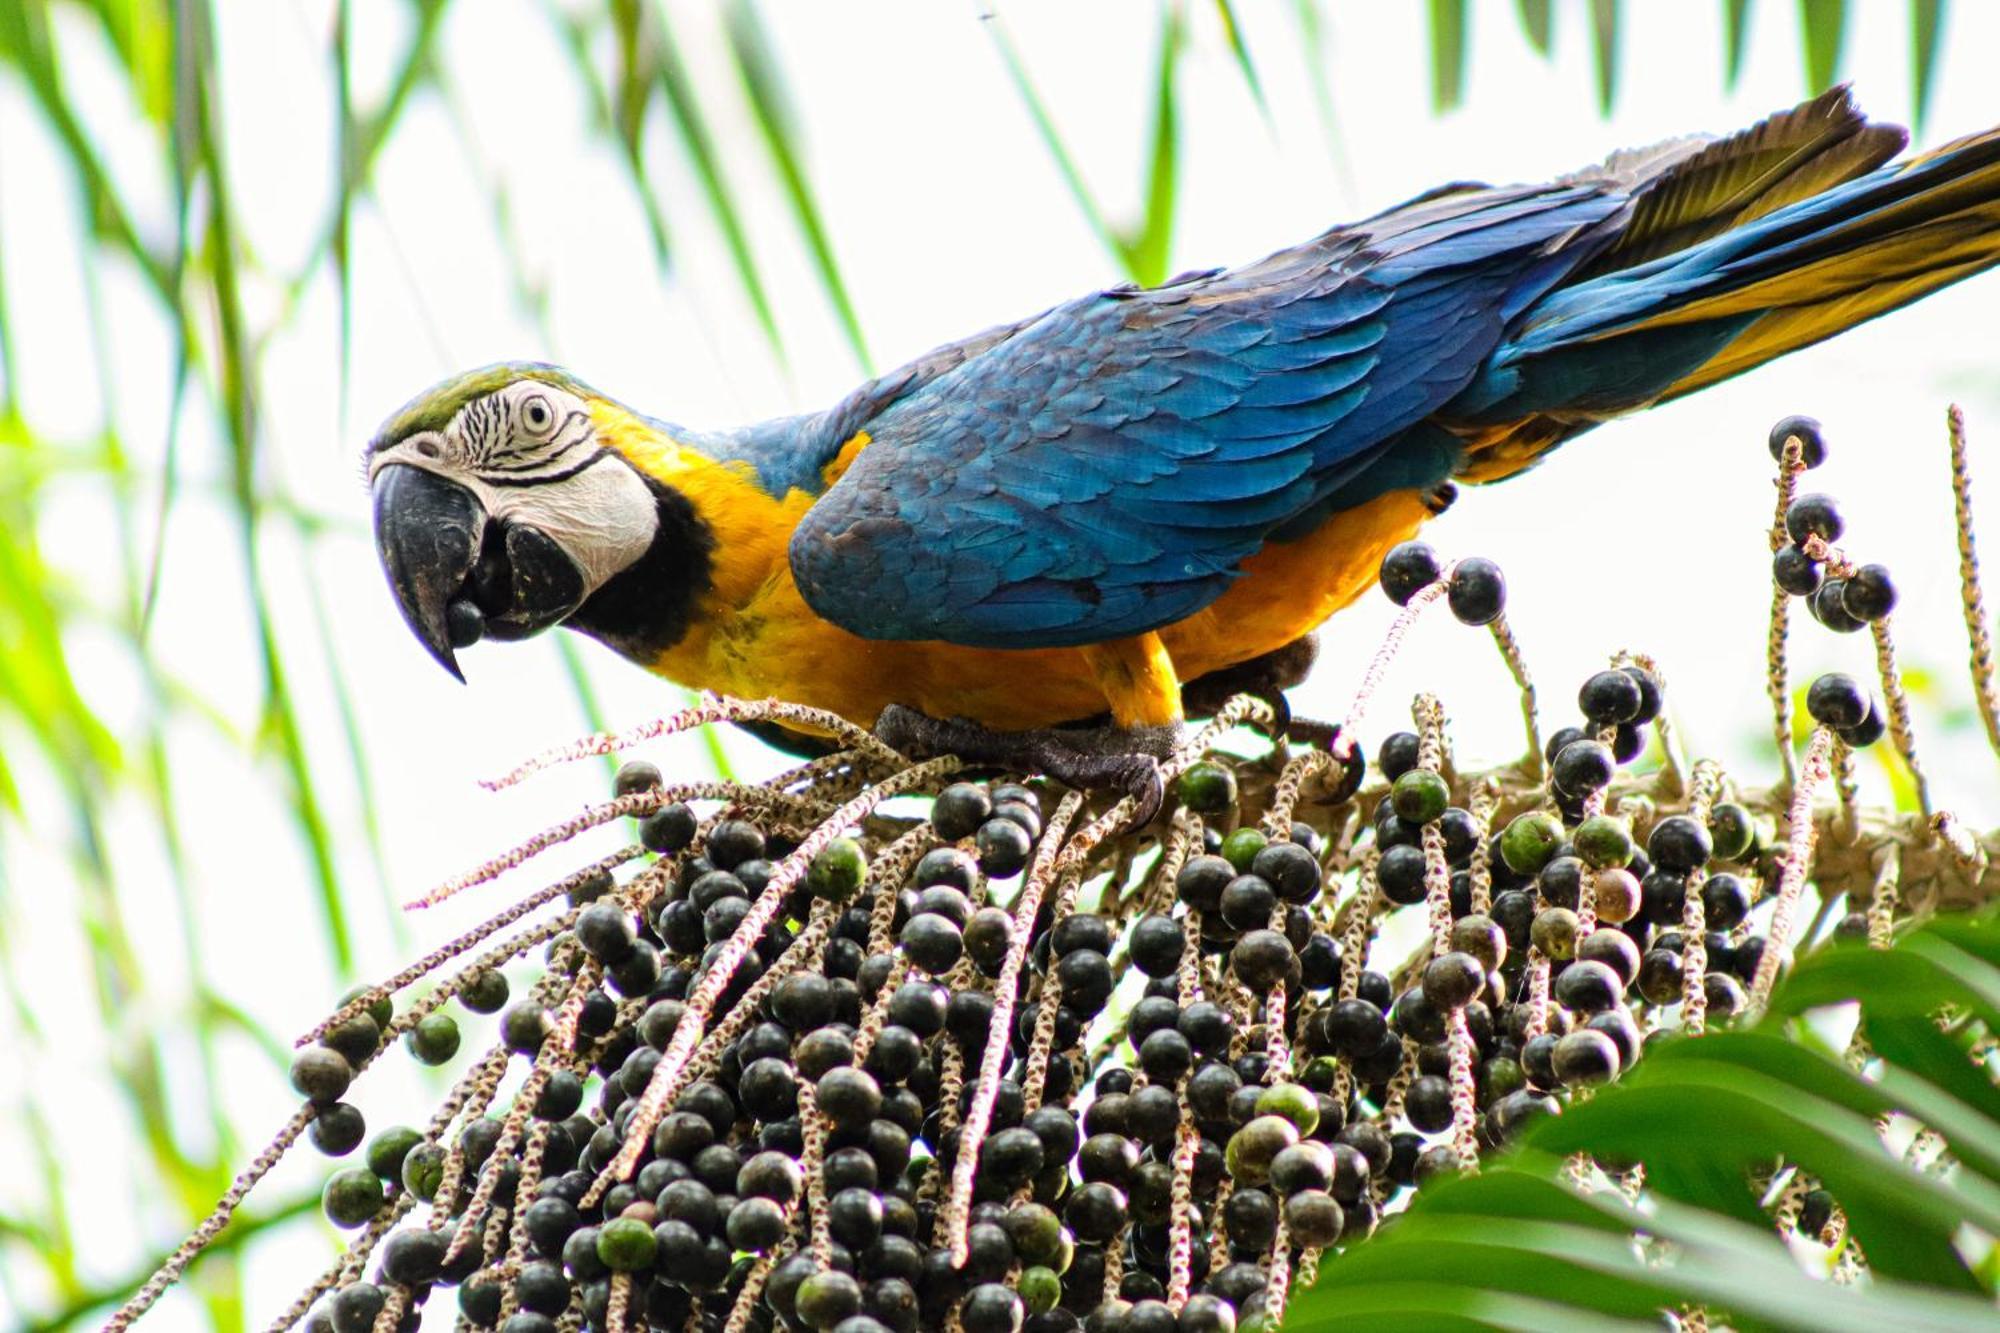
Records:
x=767, y=641
x=753, y=635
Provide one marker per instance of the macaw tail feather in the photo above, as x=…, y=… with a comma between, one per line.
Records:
x=1751, y=247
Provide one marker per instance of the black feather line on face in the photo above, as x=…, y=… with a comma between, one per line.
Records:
x=493, y=476
x=646, y=608
x=517, y=462
x=535, y=452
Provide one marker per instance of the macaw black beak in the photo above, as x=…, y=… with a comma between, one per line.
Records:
x=429, y=532
x=458, y=575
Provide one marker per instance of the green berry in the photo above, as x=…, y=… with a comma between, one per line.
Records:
x=381, y=1010
x=1040, y=1289
x=1208, y=789
x=525, y=1026
x=1452, y=980
x=1480, y=936
x=337, y=1130
x=1554, y=932
x=1419, y=796
x=839, y=871
x=388, y=1150
x=1241, y=847
x=827, y=1297
x=321, y=1074
x=356, y=1039
x=485, y=991
x=1320, y=1072
x=434, y=1040
x=351, y=1197
x=1293, y=1102
x=423, y=1170
x=1604, y=841
x=625, y=1245
x=1527, y=843
x=1036, y=1232
x=1498, y=1077
x=1255, y=1318
x=1252, y=1148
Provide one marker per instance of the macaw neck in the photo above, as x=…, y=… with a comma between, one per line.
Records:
x=727, y=510
x=646, y=608
x=771, y=449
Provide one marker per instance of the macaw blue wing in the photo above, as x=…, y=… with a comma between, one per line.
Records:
x=1105, y=469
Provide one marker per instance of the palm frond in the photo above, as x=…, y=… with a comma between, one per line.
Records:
x=1712, y=1138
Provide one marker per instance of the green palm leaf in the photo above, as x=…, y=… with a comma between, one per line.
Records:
x=1522, y=1246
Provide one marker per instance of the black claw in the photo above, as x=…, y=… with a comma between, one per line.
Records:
x=1136, y=775
x=1147, y=786
x=1281, y=712
x=1353, y=767
x=1311, y=731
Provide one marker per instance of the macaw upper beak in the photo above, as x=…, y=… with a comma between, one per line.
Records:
x=458, y=575
x=429, y=532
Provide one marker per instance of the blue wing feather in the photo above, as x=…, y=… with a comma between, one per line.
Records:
x=1106, y=468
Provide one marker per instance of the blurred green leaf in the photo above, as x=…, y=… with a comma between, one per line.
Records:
x=1519, y=1246
x=1735, y=37
x=1926, y=31
x=27, y=43
x=1604, y=51
x=764, y=84
x=1538, y=24
x=1232, y=32
x=1045, y=128
x=1448, y=53
x=190, y=252
x=1312, y=46
x=238, y=389
x=1143, y=250
x=1823, y=24
x=1147, y=249
x=684, y=110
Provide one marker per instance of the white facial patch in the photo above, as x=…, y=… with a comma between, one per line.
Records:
x=530, y=454
x=603, y=517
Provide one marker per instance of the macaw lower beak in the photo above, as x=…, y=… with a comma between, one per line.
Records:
x=457, y=575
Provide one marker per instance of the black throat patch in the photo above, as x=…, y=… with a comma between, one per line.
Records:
x=645, y=609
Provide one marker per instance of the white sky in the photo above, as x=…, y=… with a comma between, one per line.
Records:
x=946, y=215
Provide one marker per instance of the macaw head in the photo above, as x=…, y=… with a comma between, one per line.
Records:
x=503, y=508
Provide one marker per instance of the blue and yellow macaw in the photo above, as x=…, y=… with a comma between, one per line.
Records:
x=1072, y=515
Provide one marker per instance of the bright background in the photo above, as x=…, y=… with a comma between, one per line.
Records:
x=213, y=793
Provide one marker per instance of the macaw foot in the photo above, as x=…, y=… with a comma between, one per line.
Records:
x=1121, y=759
x=1266, y=678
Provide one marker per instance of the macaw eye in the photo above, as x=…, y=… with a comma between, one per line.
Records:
x=537, y=415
